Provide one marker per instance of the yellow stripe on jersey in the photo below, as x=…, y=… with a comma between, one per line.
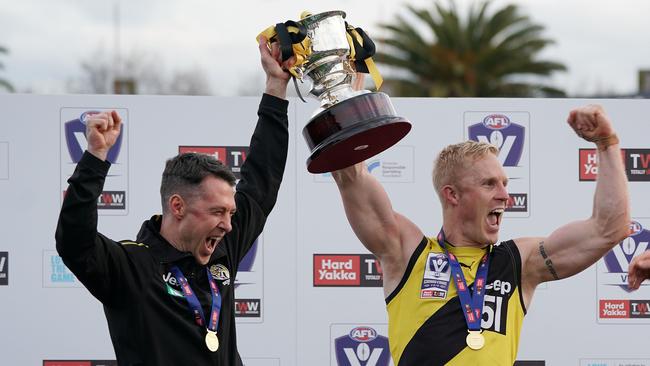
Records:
x=428, y=327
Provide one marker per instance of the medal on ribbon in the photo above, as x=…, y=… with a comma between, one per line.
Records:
x=211, y=339
x=472, y=304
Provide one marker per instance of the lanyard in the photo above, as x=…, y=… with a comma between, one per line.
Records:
x=193, y=301
x=472, y=305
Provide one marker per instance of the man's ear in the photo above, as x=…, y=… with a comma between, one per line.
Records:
x=450, y=195
x=176, y=206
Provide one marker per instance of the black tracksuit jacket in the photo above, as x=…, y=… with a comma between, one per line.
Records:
x=148, y=322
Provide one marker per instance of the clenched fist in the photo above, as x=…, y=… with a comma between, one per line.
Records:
x=102, y=131
x=592, y=124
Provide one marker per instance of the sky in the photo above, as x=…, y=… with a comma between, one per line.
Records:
x=602, y=42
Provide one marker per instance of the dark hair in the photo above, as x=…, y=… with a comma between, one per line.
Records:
x=185, y=172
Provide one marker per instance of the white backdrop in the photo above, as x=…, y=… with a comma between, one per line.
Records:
x=293, y=308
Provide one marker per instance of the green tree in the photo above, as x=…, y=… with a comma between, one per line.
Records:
x=4, y=83
x=485, y=55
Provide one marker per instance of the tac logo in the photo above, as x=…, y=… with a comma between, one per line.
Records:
x=248, y=308
x=498, y=130
x=4, y=268
x=395, y=165
x=618, y=259
x=362, y=346
x=75, y=138
x=231, y=156
x=372, y=165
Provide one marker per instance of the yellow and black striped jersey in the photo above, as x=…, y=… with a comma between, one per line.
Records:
x=426, y=325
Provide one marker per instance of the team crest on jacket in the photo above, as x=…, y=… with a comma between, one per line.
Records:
x=220, y=273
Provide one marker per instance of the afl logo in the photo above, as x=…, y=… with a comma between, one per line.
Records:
x=220, y=272
x=635, y=228
x=363, y=334
x=496, y=121
x=86, y=115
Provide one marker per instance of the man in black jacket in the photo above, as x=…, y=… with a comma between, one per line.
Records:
x=169, y=296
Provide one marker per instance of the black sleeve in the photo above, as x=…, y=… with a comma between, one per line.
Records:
x=97, y=261
x=261, y=174
x=515, y=258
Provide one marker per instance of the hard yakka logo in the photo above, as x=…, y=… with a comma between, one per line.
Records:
x=347, y=270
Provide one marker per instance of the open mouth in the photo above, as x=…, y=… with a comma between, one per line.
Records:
x=495, y=216
x=211, y=242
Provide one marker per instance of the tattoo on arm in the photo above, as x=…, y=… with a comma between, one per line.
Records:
x=548, y=261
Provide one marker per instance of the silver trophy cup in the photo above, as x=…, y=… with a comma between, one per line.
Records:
x=350, y=126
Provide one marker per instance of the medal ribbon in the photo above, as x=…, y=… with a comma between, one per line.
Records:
x=193, y=301
x=472, y=305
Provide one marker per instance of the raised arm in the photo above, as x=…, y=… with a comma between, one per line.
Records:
x=577, y=245
x=388, y=235
x=261, y=173
x=90, y=256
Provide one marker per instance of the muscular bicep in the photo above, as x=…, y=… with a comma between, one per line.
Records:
x=371, y=216
x=567, y=251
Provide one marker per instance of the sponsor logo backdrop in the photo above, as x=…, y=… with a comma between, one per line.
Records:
x=310, y=293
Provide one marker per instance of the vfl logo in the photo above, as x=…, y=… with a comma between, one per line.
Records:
x=618, y=259
x=4, y=268
x=438, y=264
x=362, y=347
x=246, y=264
x=497, y=130
x=75, y=138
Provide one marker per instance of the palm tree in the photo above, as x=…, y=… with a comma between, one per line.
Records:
x=4, y=83
x=482, y=56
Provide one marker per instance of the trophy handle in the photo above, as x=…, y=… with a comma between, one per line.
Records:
x=293, y=40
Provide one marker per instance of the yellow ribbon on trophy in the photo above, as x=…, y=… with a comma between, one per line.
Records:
x=301, y=50
x=301, y=47
x=370, y=64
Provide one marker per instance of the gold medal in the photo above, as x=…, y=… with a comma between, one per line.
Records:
x=475, y=339
x=212, y=341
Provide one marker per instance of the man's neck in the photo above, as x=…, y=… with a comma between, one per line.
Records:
x=171, y=235
x=454, y=235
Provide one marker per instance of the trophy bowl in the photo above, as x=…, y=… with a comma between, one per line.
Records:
x=350, y=126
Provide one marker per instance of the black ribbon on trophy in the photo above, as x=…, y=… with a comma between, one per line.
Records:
x=351, y=125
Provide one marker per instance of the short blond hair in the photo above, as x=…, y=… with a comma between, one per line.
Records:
x=454, y=157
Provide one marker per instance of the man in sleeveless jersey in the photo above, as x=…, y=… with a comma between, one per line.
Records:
x=459, y=298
